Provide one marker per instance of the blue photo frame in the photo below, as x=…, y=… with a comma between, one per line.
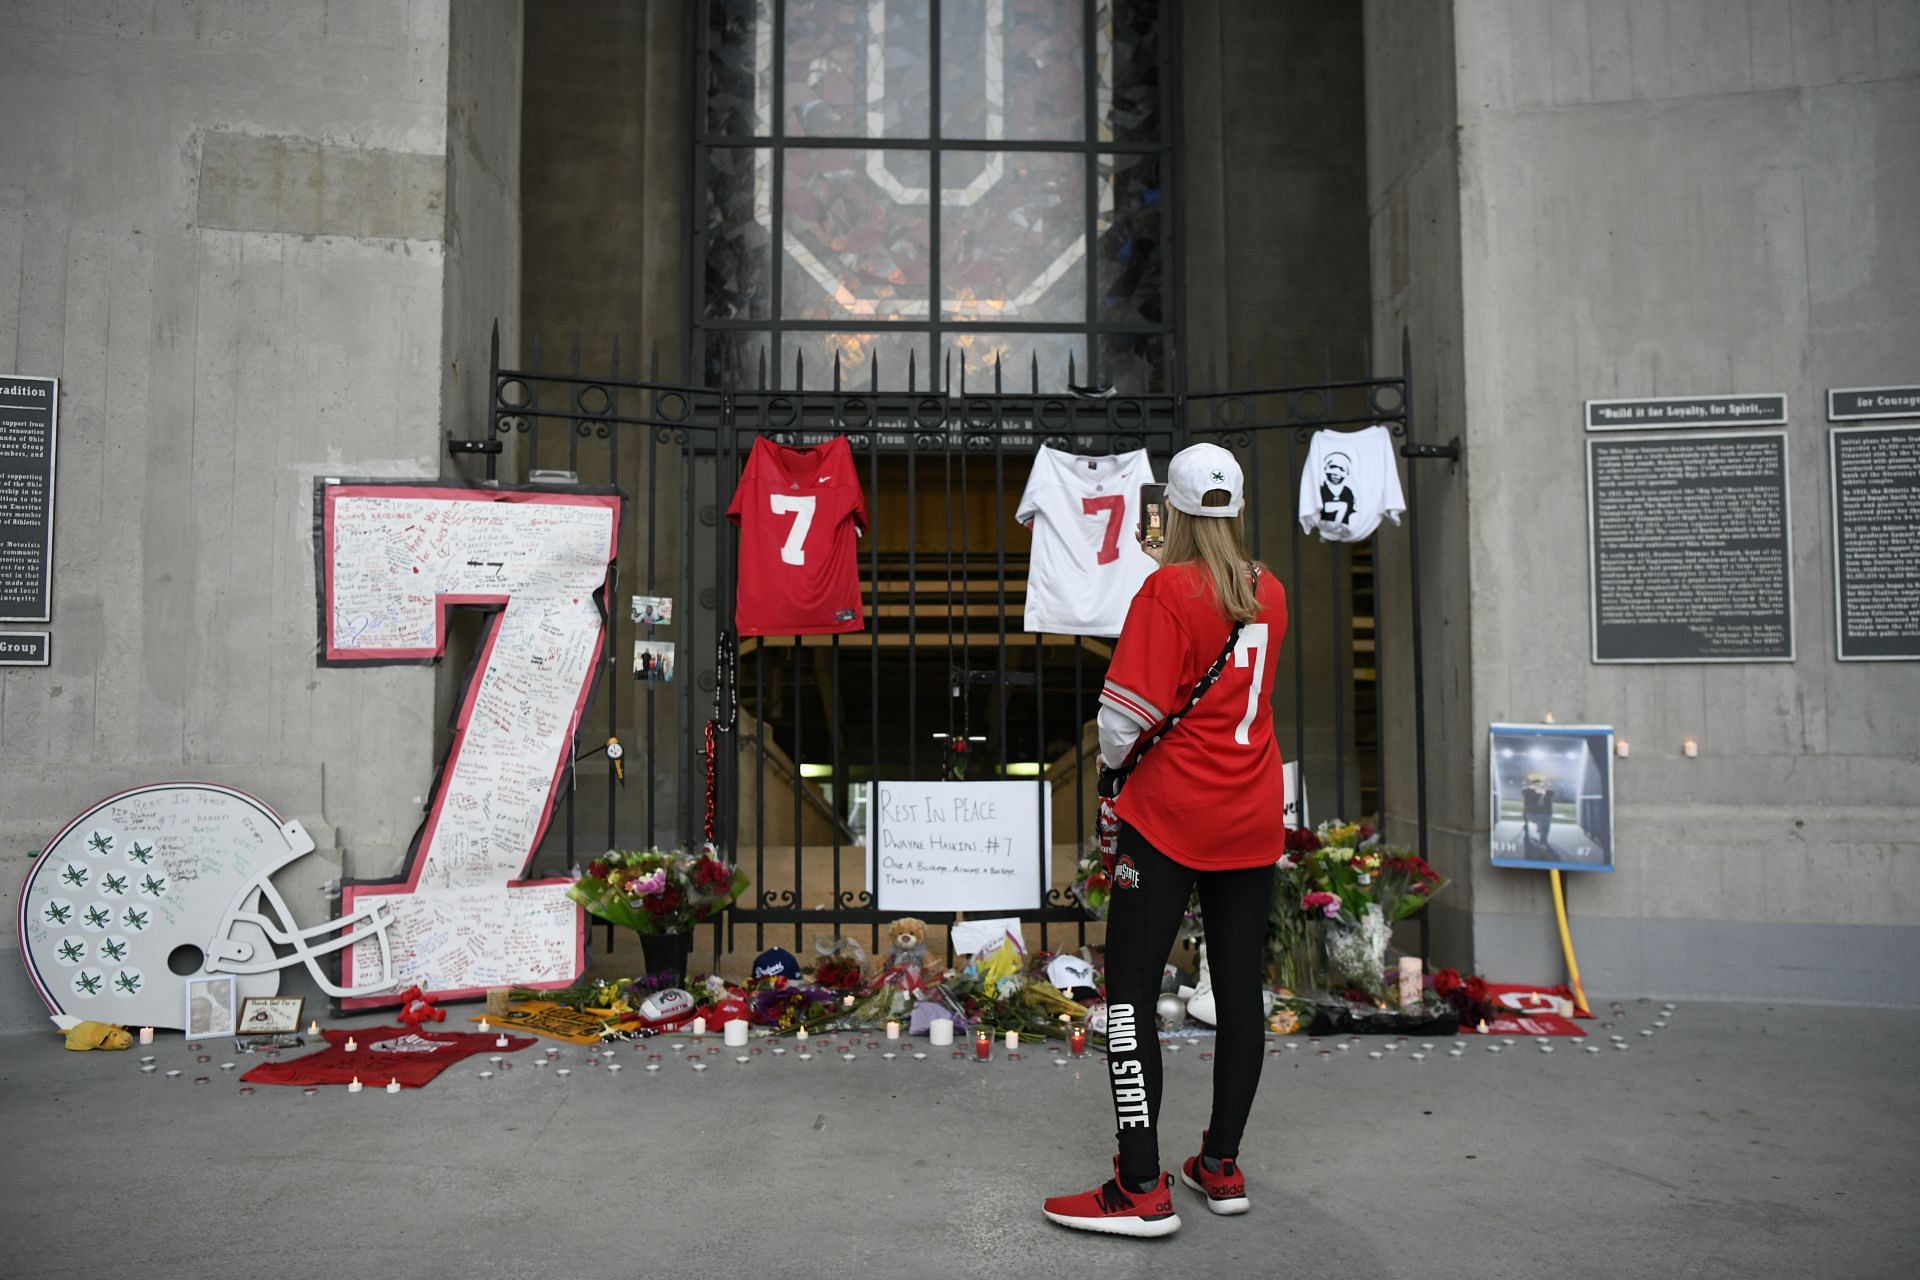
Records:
x=1552, y=796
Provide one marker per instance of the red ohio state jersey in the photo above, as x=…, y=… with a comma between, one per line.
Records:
x=1210, y=794
x=800, y=512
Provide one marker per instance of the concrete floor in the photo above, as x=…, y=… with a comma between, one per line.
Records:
x=1741, y=1141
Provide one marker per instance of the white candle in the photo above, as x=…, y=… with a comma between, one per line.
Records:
x=393, y=1086
x=847, y=1002
x=484, y=1028
x=801, y=1035
x=351, y=1046
x=1690, y=748
x=893, y=1030
x=699, y=1026
x=1013, y=1039
x=735, y=1032
x=500, y=1041
x=940, y=1032
x=354, y=1085
x=1409, y=982
x=313, y=1028
x=146, y=1035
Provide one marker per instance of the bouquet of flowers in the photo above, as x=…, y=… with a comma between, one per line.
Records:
x=1467, y=997
x=653, y=892
x=1340, y=878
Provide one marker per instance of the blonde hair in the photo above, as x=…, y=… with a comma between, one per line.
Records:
x=1215, y=542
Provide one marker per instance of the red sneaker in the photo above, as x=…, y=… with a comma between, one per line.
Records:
x=1226, y=1191
x=1112, y=1209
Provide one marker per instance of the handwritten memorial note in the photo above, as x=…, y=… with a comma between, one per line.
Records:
x=956, y=846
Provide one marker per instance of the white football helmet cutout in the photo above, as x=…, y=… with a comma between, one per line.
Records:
x=163, y=883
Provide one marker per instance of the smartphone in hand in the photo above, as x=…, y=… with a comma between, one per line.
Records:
x=1153, y=506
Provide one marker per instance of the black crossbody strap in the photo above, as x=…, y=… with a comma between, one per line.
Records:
x=1113, y=779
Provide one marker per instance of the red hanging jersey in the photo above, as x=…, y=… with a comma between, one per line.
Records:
x=1210, y=794
x=799, y=512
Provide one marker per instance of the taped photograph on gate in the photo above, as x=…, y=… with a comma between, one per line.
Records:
x=1552, y=805
x=396, y=557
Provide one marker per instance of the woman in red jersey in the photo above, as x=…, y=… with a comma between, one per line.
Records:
x=1185, y=725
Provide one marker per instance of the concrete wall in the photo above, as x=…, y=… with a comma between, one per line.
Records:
x=1413, y=214
x=1660, y=198
x=226, y=229
x=1271, y=175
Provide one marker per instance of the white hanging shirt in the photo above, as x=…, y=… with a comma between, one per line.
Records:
x=1086, y=564
x=1350, y=482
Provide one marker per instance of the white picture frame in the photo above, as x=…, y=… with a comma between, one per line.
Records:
x=212, y=1005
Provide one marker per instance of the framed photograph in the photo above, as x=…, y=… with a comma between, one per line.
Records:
x=652, y=611
x=653, y=661
x=1552, y=796
x=270, y=1015
x=210, y=1005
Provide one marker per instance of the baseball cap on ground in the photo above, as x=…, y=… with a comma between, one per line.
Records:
x=1198, y=469
x=777, y=962
x=1070, y=974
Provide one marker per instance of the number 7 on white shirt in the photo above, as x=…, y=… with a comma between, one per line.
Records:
x=794, y=549
x=1251, y=650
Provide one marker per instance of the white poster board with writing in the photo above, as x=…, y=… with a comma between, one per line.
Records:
x=956, y=846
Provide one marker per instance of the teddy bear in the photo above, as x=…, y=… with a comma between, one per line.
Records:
x=907, y=947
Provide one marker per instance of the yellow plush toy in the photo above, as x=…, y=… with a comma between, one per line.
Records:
x=82, y=1035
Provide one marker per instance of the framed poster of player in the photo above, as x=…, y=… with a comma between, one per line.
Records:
x=1552, y=804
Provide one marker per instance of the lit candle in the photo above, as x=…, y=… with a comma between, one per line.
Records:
x=1013, y=1039
x=500, y=1041
x=393, y=1086
x=801, y=1035
x=982, y=1045
x=351, y=1045
x=699, y=1026
x=1077, y=1038
x=893, y=1030
x=313, y=1028
x=354, y=1085
x=940, y=1032
x=484, y=1026
x=146, y=1035
x=847, y=1001
x=1690, y=748
x=1482, y=1027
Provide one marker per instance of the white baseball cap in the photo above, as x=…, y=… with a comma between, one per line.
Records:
x=1196, y=471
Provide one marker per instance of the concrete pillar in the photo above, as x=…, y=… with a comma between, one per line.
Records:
x=1621, y=199
x=257, y=244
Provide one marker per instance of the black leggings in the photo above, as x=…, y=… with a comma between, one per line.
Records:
x=1142, y=921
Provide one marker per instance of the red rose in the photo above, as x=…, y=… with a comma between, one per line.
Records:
x=1301, y=840
x=598, y=870
x=1446, y=982
x=1477, y=992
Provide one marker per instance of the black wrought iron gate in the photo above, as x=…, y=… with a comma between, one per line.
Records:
x=942, y=683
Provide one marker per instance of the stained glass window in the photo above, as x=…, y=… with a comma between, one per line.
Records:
x=958, y=179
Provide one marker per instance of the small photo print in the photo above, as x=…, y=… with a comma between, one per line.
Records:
x=210, y=1006
x=653, y=661
x=652, y=611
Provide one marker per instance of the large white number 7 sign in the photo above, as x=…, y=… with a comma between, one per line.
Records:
x=1251, y=651
x=394, y=559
